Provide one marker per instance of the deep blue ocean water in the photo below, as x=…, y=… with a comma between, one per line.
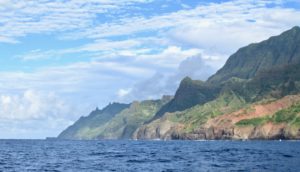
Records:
x=50, y=155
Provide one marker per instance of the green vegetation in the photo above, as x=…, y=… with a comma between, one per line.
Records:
x=190, y=93
x=123, y=125
x=248, y=61
x=116, y=121
x=254, y=121
x=289, y=115
x=258, y=73
x=86, y=127
x=227, y=102
x=296, y=122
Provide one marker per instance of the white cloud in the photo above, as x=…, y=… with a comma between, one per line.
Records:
x=166, y=83
x=31, y=105
x=169, y=57
x=22, y=17
x=43, y=102
x=35, y=114
x=217, y=27
x=71, y=78
x=123, y=92
x=214, y=28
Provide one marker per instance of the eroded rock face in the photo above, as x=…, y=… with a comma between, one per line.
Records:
x=224, y=127
x=159, y=129
x=263, y=132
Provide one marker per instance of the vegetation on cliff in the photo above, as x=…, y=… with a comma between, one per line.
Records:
x=249, y=98
x=254, y=74
x=254, y=58
x=116, y=121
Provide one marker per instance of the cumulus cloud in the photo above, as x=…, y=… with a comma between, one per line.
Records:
x=167, y=83
x=56, y=96
x=123, y=92
x=34, y=114
x=32, y=105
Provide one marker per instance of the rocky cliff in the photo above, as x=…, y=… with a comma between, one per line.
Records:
x=256, y=95
x=278, y=119
x=268, y=71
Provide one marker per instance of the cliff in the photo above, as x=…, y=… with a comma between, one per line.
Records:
x=255, y=95
x=268, y=71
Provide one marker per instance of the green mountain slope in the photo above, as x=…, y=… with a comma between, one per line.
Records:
x=239, y=96
x=171, y=125
x=256, y=59
x=124, y=124
x=116, y=121
x=278, y=50
x=262, y=72
x=85, y=127
x=190, y=93
x=243, y=100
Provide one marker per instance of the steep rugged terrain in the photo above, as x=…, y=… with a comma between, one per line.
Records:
x=116, y=121
x=126, y=122
x=278, y=119
x=266, y=71
x=85, y=127
x=171, y=125
x=256, y=95
x=255, y=59
x=250, y=60
x=190, y=93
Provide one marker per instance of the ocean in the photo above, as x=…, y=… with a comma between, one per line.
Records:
x=157, y=156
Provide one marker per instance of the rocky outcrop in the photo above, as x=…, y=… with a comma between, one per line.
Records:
x=225, y=127
x=159, y=129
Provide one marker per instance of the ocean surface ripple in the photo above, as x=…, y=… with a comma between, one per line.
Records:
x=164, y=156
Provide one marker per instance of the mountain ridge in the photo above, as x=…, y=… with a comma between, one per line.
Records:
x=263, y=55
x=259, y=73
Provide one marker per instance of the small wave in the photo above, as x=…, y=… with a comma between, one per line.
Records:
x=164, y=160
x=97, y=153
x=138, y=161
x=287, y=156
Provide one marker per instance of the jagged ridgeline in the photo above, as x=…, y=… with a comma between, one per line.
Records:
x=255, y=95
x=249, y=61
x=115, y=121
x=86, y=127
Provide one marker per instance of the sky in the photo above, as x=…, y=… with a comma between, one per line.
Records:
x=62, y=59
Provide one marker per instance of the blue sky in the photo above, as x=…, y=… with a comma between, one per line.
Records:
x=61, y=59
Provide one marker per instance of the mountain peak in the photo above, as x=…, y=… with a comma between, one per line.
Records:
x=293, y=32
x=296, y=28
x=186, y=80
x=248, y=61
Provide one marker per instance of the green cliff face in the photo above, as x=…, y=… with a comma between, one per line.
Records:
x=260, y=72
x=124, y=124
x=116, y=121
x=248, y=61
x=190, y=93
x=275, y=54
x=86, y=127
x=243, y=100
